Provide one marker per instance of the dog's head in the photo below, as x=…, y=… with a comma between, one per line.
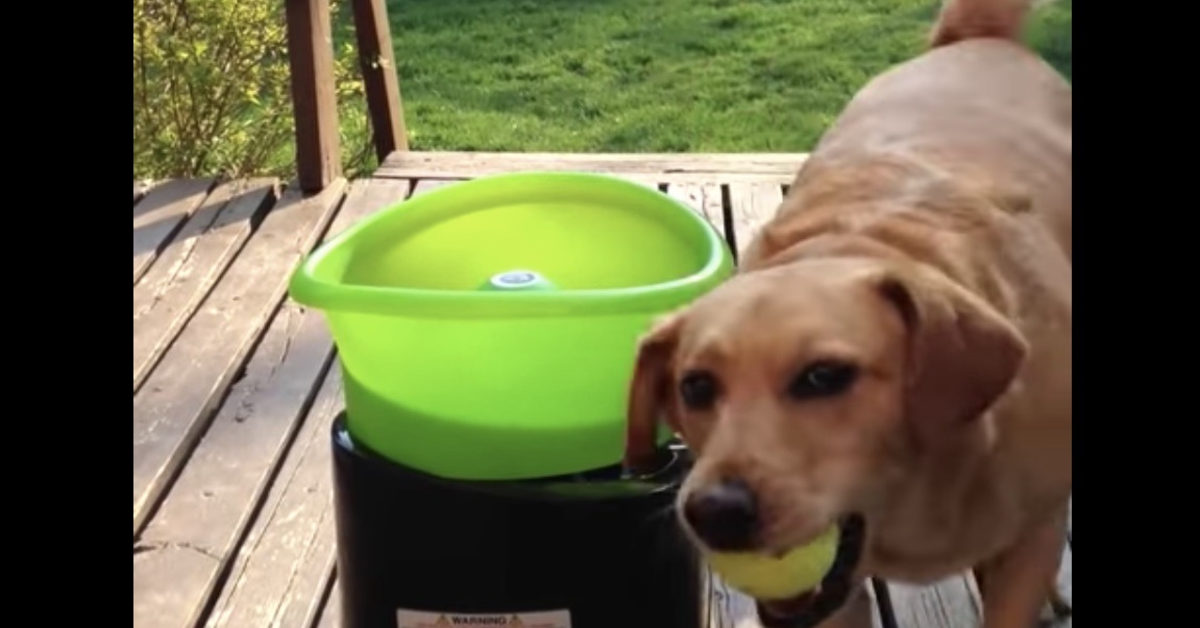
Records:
x=806, y=390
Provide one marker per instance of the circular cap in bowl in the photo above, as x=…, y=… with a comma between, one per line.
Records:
x=518, y=280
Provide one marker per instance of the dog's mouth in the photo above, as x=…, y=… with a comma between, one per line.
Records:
x=815, y=606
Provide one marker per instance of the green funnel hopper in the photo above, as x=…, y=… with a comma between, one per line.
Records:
x=487, y=330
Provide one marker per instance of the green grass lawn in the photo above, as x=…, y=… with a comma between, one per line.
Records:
x=653, y=75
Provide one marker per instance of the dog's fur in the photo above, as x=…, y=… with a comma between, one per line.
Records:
x=926, y=240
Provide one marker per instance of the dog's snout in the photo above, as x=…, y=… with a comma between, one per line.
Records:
x=723, y=515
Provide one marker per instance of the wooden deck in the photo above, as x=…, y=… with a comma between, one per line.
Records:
x=235, y=386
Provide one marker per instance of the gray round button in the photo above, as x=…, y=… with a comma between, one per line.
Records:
x=516, y=278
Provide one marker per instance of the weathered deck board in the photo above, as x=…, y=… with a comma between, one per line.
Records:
x=296, y=606
x=950, y=603
x=751, y=205
x=382, y=193
x=173, y=407
x=169, y=293
x=661, y=167
x=139, y=189
x=216, y=495
x=331, y=613
x=159, y=214
x=731, y=609
x=426, y=185
x=279, y=570
x=1064, y=584
x=706, y=198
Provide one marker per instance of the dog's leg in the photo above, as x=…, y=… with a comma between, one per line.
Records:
x=1057, y=606
x=1015, y=590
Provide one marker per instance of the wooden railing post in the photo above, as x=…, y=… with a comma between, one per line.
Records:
x=314, y=100
x=377, y=59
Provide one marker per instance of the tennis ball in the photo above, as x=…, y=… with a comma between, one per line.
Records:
x=769, y=578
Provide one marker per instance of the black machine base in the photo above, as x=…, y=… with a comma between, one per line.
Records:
x=417, y=551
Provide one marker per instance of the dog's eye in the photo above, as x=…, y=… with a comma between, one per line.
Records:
x=822, y=379
x=698, y=390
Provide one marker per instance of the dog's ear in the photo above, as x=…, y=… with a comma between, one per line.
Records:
x=649, y=392
x=962, y=353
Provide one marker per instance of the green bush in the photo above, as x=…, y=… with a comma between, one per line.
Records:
x=212, y=93
x=1050, y=34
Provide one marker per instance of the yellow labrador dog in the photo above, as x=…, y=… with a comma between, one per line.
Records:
x=894, y=354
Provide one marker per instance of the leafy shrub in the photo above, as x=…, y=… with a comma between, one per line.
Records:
x=212, y=93
x=1050, y=34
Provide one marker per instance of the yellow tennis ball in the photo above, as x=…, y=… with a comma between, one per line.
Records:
x=769, y=578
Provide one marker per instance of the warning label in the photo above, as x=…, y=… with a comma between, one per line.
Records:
x=540, y=619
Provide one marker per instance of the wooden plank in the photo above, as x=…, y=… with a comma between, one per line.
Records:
x=705, y=198
x=1064, y=584
x=331, y=613
x=302, y=604
x=426, y=185
x=217, y=493
x=310, y=57
x=376, y=59
x=751, y=205
x=367, y=196
x=140, y=188
x=732, y=609
x=1063, y=581
x=173, y=408
x=169, y=293
x=665, y=167
x=950, y=603
x=280, y=572
x=210, y=505
x=645, y=180
x=880, y=617
x=285, y=564
x=1049, y=617
x=955, y=602
x=470, y=163
x=160, y=214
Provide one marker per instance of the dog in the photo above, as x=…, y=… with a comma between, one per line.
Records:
x=894, y=353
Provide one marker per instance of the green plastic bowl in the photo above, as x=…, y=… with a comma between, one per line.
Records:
x=487, y=329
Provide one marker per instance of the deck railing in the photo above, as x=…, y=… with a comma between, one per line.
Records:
x=310, y=55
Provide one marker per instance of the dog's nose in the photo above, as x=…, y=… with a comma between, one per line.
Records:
x=723, y=515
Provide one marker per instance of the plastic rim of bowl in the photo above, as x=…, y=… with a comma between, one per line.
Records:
x=308, y=288
x=317, y=283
